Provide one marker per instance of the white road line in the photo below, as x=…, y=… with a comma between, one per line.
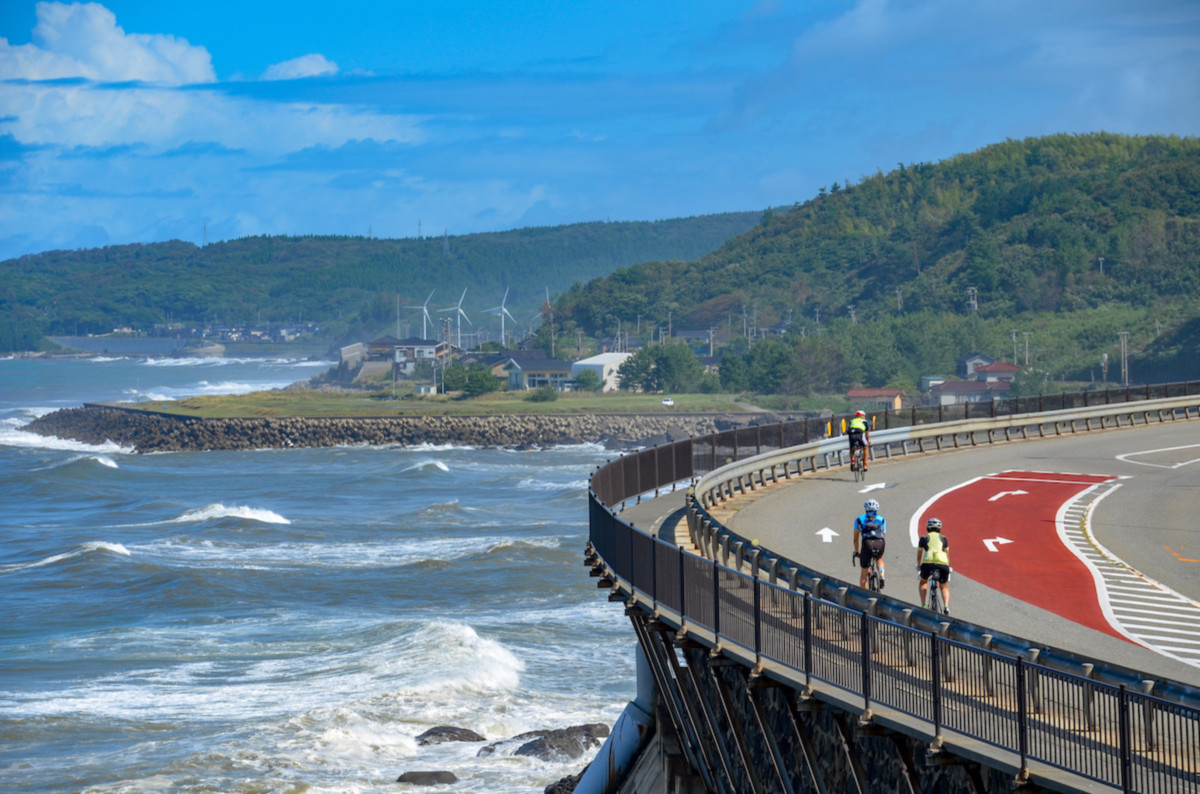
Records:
x=1188, y=631
x=1141, y=621
x=1156, y=600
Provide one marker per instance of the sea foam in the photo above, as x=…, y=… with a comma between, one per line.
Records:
x=215, y=511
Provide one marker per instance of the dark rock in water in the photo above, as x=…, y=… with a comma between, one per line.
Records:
x=566, y=785
x=554, y=745
x=427, y=778
x=445, y=733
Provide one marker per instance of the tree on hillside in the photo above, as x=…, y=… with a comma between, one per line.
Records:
x=668, y=366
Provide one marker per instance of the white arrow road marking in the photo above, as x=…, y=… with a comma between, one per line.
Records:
x=992, y=543
x=1002, y=494
x=873, y=487
x=827, y=534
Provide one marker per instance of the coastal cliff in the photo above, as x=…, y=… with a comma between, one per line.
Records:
x=147, y=431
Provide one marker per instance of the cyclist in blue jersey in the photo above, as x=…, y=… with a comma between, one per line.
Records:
x=869, y=529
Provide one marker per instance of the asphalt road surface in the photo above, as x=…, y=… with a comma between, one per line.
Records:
x=1089, y=543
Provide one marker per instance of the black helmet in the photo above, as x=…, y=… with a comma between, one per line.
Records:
x=934, y=525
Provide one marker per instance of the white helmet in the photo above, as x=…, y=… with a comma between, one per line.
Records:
x=871, y=505
x=934, y=525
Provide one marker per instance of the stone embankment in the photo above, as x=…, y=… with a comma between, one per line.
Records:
x=147, y=431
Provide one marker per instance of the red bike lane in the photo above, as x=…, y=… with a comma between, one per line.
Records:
x=1003, y=533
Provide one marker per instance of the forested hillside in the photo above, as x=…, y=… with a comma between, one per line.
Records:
x=1059, y=243
x=352, y=284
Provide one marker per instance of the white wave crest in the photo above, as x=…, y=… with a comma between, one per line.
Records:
x=431, y=463
x=78, y=551
x=452, y=656
x=12, y=436
x=218, y=510
x=439, y=448
x=530, y=484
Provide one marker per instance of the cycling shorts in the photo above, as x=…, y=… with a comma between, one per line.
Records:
x=868, y=548
x=856, y=438
x=929, y=568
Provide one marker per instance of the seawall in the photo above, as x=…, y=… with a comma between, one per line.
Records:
x=147, y=431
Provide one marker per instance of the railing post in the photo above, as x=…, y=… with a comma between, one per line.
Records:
x=935, y=681
x=1124, y=739
x=654, y=571
x=864, y=641
x=757, y=620
x=1022, y=720
x=682, y=588
x=1148, y=715
x=807, y=640
x=1089, y=696
x=716, y=602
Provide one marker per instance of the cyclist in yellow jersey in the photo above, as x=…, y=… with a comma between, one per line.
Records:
x=933, y=555
x=859, y=431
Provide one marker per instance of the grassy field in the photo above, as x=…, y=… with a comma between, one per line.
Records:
x=283, y=403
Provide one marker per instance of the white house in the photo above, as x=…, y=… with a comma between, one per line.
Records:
x=605, y=365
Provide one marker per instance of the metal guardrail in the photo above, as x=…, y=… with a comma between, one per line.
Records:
x=1109, y=726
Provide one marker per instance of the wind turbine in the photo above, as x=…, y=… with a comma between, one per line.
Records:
x=424, y=307
x=459, y=317
x=502, y=311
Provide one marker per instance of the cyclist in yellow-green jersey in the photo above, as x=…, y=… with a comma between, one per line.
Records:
x=933, y=555
x=859, y=434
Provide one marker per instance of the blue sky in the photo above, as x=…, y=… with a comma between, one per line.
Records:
x=143, y=121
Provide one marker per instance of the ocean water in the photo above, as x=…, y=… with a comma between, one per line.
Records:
x=285, y=620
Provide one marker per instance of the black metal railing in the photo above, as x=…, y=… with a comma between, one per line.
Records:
x=1115, y=734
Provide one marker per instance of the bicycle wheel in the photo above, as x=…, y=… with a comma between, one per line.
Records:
x=873, y=576
x=856, y=465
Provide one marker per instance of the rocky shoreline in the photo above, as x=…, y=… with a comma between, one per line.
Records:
x=148, y=431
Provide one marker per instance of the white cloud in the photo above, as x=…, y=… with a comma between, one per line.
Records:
x=84, y=40
x=311, y=65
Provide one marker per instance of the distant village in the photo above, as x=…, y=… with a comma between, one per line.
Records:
x=981, y=378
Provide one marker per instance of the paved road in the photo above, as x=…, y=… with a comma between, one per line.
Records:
x=1054, y=557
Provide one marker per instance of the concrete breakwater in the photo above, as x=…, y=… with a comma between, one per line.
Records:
x=147, y=431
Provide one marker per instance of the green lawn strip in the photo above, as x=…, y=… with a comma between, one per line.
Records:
x=304, y=403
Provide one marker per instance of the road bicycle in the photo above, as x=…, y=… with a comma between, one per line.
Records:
x=935, y=591
x=874, y=575
x=858, y=463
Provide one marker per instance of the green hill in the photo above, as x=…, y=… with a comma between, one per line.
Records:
x=349, y=284
x=1071, y=239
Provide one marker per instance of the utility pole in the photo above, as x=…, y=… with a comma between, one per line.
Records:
x=853, y=319
x=1013, y=333
x=1124, y=357
x=899, y=300
x=1026, y=334
x=1101, y=265
x=973, y=299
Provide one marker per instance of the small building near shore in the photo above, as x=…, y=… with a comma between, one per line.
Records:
x=606, y=365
